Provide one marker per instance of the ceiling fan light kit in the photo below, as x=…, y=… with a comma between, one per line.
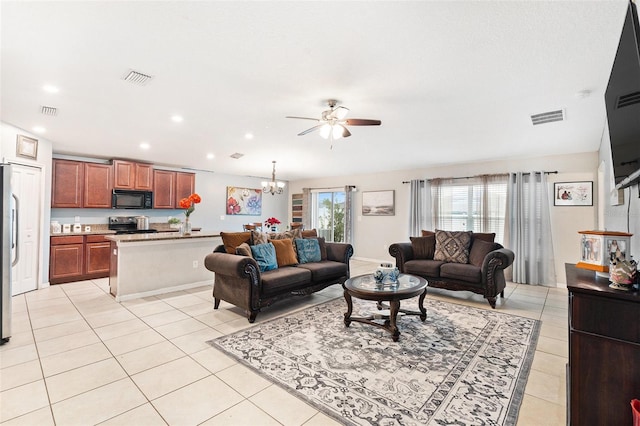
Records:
x=332, y=124
x=273, y=187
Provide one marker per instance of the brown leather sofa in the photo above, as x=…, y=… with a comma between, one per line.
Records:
x=239, y=281
x=483, y=273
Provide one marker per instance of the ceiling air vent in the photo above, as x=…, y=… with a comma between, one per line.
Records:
x=136, y=77
x=47, y=110
x=547, y=117
x=628, y=100
x=237, y=155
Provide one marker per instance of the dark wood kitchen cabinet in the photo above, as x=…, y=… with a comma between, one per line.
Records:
x=132, y=175
x=164, y=189
x=67, y=183
x=185, y=186
x=78, y=257
x=604, y=350
x=77, y=184
x=98, y=184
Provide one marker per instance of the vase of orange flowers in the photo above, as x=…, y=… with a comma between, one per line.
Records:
x=189, y=205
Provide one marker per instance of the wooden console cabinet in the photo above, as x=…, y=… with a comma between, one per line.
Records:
x=604, y=350
x=78, y=257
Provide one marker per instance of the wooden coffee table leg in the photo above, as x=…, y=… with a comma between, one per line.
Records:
x=393, y=315
x=347, y=314
x=423, y=315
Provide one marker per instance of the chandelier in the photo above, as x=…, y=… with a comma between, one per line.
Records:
x=273, y=187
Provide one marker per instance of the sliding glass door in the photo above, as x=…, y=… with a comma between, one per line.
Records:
x=328, y=208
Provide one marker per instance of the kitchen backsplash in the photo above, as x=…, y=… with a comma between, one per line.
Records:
x=101, y=216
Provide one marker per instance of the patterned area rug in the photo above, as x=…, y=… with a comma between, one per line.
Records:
x=463, y=366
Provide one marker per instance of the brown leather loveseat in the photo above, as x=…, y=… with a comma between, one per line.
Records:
x=456, y=260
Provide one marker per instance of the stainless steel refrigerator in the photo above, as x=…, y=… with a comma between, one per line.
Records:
x=8, y=250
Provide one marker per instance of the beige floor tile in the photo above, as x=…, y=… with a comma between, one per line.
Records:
x=20, y=374
x=219, y=316
x=557, y=311
x=54, y=319
x=148, y=357
x=555, y=320
x=195, y=342
x=131, y=342
x=121, y=329
x=66, y=343
x=10, y=356
x=20, y=322
x=182, y=301
x=168, y=377
x=108, y=318
x=50, y=292
x=283, y=406
x=150, y=308
x=38, y=305
x=166, y=317
x=243, y=380
x=61, y=330
x=41, y=417
x=180, y=328
x=143, y=415
x=236, y=325
x=23, y=399
x=553, y=346
x=244, y=413
x=196, y=402
x=198, y=309
x=83, y=379
x=18, y=303
x=549, y=363
x=21, y=338
x=98, y=404
x=322, y=419
x=558, y=333
x=538, y=412
x=75, y=358
x=213, y=359
x=546, y=386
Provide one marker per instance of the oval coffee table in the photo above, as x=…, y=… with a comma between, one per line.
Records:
x=365, y=287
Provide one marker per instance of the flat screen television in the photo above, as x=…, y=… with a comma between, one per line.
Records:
x=622, y=100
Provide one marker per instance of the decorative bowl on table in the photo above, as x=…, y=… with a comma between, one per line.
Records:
x=386, y=274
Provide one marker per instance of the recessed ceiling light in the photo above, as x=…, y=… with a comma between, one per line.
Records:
x=39, y=129
x=210, y=156
x=144, y=145
x=177, y=118
x=248, y=135
x=49, y=88
x=583, y=94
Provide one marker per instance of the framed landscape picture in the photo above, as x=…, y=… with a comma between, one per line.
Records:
x=573, y=193
x=244, y=201
x=378, y=203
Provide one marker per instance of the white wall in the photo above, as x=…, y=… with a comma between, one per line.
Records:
x=374, y=234
x=624, y=217
x=8, y=138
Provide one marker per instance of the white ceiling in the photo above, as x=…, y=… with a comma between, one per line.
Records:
x=452, y=82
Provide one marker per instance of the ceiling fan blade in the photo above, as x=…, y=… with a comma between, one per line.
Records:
x=339, y=112
x=303, y=118
x=362, y=122
x=345, y=132
x=313, y=129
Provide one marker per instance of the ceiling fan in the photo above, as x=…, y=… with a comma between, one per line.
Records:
x=333, y=123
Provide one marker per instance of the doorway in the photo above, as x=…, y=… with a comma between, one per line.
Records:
x=26, y=184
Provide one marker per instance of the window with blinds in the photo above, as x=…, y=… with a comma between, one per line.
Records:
x=474, y=204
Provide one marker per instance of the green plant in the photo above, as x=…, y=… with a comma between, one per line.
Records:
x=174, y=221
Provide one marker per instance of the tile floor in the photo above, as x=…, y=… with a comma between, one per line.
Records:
x=76, y=357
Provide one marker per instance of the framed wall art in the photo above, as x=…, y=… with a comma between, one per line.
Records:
x=573, y=193
x=27, y=147
x=244, y=201
x=378, y=203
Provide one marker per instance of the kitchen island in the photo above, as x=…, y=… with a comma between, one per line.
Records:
x=149, y=264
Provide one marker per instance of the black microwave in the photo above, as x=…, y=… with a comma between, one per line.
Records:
x=129, y=199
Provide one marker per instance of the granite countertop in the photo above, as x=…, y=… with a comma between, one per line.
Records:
x=92, y=232
x=102, y=229
x=158, y=236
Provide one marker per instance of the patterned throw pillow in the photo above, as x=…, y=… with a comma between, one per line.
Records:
x=308, y=250
x=452, y=246
x=231, y=240
x=323, y=247
x=285, y=254
x=423, y=247
x=258, y=237
x=265, y=256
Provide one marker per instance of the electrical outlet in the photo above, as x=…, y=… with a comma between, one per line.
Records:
x=77, y=219
x=195, y=263
x=222, y=217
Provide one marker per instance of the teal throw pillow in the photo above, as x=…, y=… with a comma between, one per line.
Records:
x=265, y=255
x=308, y=250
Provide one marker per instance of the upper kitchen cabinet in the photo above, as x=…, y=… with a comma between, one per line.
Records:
x=98, y=185
x=76, y=184
x=131, y=175
x=164, y=189
x=67, y=184
x=185, y=186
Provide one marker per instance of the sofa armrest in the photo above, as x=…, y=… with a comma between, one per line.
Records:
x=339, y=252
x=402, y=252
x=230, y=264
x=237, y=279
x=493, y=267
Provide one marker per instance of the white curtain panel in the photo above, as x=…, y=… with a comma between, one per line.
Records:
x=419, y=207
x=348, y=214
x=306, y=208
x=529, y=229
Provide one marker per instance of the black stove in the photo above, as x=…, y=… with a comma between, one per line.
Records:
x=127, y=225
